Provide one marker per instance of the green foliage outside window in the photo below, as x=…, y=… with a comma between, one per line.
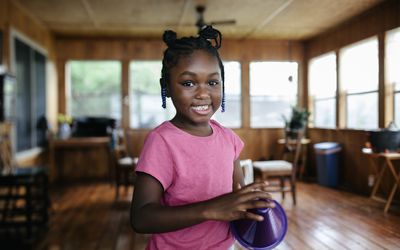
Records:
x=95, y=88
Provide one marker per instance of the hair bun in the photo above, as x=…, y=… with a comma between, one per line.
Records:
x=209, y=33
x=169, y=37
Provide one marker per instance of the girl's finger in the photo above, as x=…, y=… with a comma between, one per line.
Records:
x=251, y=216
x=254, y=186
x=253, y=195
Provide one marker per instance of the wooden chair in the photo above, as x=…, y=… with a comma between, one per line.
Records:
x=284, y=170
x=124, y=164
x=247, y=167
x=6, y=159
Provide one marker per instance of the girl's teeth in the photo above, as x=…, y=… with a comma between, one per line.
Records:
x=204, y=107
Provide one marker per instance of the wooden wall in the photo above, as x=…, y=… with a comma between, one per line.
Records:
x=259, y=142
x=13, y=18
x=355, y=167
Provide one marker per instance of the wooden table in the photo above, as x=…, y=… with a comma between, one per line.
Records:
x=80, y=158
x=380, y=167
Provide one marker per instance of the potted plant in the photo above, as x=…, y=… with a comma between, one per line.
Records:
x=298, y=120
x=64, y=126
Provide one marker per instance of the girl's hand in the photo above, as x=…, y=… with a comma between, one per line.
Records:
x=234, y=205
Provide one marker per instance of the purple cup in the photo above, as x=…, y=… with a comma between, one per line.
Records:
x=261, y=235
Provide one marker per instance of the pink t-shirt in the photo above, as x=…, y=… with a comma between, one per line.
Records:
x=191, y=169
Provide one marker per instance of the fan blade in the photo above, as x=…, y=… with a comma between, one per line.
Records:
x=223, y=22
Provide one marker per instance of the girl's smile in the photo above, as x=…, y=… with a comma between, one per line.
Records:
x=202, y=110
x=195, y=88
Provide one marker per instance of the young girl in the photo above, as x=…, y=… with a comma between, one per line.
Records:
x=188, y=175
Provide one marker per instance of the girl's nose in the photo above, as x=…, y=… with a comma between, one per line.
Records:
x=202, y=91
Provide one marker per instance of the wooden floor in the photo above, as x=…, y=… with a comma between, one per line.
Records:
x=88, y=217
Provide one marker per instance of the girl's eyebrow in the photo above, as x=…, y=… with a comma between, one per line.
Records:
x=189, y=73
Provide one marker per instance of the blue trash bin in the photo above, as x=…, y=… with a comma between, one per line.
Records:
x=327, y=154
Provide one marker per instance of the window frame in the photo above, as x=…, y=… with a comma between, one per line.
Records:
x=36, y=139
x=345, y=92
x=393, y=93
x=296, y=98
x=325, y=98
x=227, y=109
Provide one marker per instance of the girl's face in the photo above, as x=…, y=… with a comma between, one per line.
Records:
x=195, y=88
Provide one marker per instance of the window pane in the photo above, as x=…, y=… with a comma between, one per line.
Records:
x=95, y=88
x=397, y=109
x=393, y=58
x=323, y=84
x=273, y=90
x=362, y=111
x=392, y=66
x=145, y=102
x=325, y=113
x=359, y=66
x=322, y=76
x=30, y=99
x=232, y=115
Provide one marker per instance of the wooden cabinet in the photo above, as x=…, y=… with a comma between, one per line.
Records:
x=81, y=158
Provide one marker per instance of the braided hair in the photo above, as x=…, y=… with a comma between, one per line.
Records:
x=185, y=46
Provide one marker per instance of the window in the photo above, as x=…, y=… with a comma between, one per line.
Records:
x=322, y=79
x=145, y=102
x=273, y=90
x=359, y=78
x=30, y=96
x=94, y=88
x=392, y=69
x=232, y=115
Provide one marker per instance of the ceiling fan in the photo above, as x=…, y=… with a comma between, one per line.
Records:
x=200, y=23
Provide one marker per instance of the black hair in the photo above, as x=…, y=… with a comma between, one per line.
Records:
x=185, y=46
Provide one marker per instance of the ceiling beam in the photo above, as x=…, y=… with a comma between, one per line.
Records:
x=185, y=9
x=268, y=19
x=90, y=13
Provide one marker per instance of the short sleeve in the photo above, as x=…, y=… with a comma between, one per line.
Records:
x=238, y=144
x=155, y=160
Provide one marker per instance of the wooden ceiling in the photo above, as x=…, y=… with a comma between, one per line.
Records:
x=266, y=19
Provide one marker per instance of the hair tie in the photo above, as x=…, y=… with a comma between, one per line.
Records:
x=209, y=33
x=169, y=37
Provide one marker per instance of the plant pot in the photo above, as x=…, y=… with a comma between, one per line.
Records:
x=292, y=133
x=384, y=140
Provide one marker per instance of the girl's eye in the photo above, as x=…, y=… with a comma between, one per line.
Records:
x=188, y=84
x=213, y=82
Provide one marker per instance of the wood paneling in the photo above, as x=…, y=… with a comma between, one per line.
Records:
x=355, y=166
x=81, y=48
x=31, y=27
x=383, y=17
x=3, y=14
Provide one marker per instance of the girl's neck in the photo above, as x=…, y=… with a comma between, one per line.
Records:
x=203, y=129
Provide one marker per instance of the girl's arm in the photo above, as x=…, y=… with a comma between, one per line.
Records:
x=148, y=215
x=238, y=178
